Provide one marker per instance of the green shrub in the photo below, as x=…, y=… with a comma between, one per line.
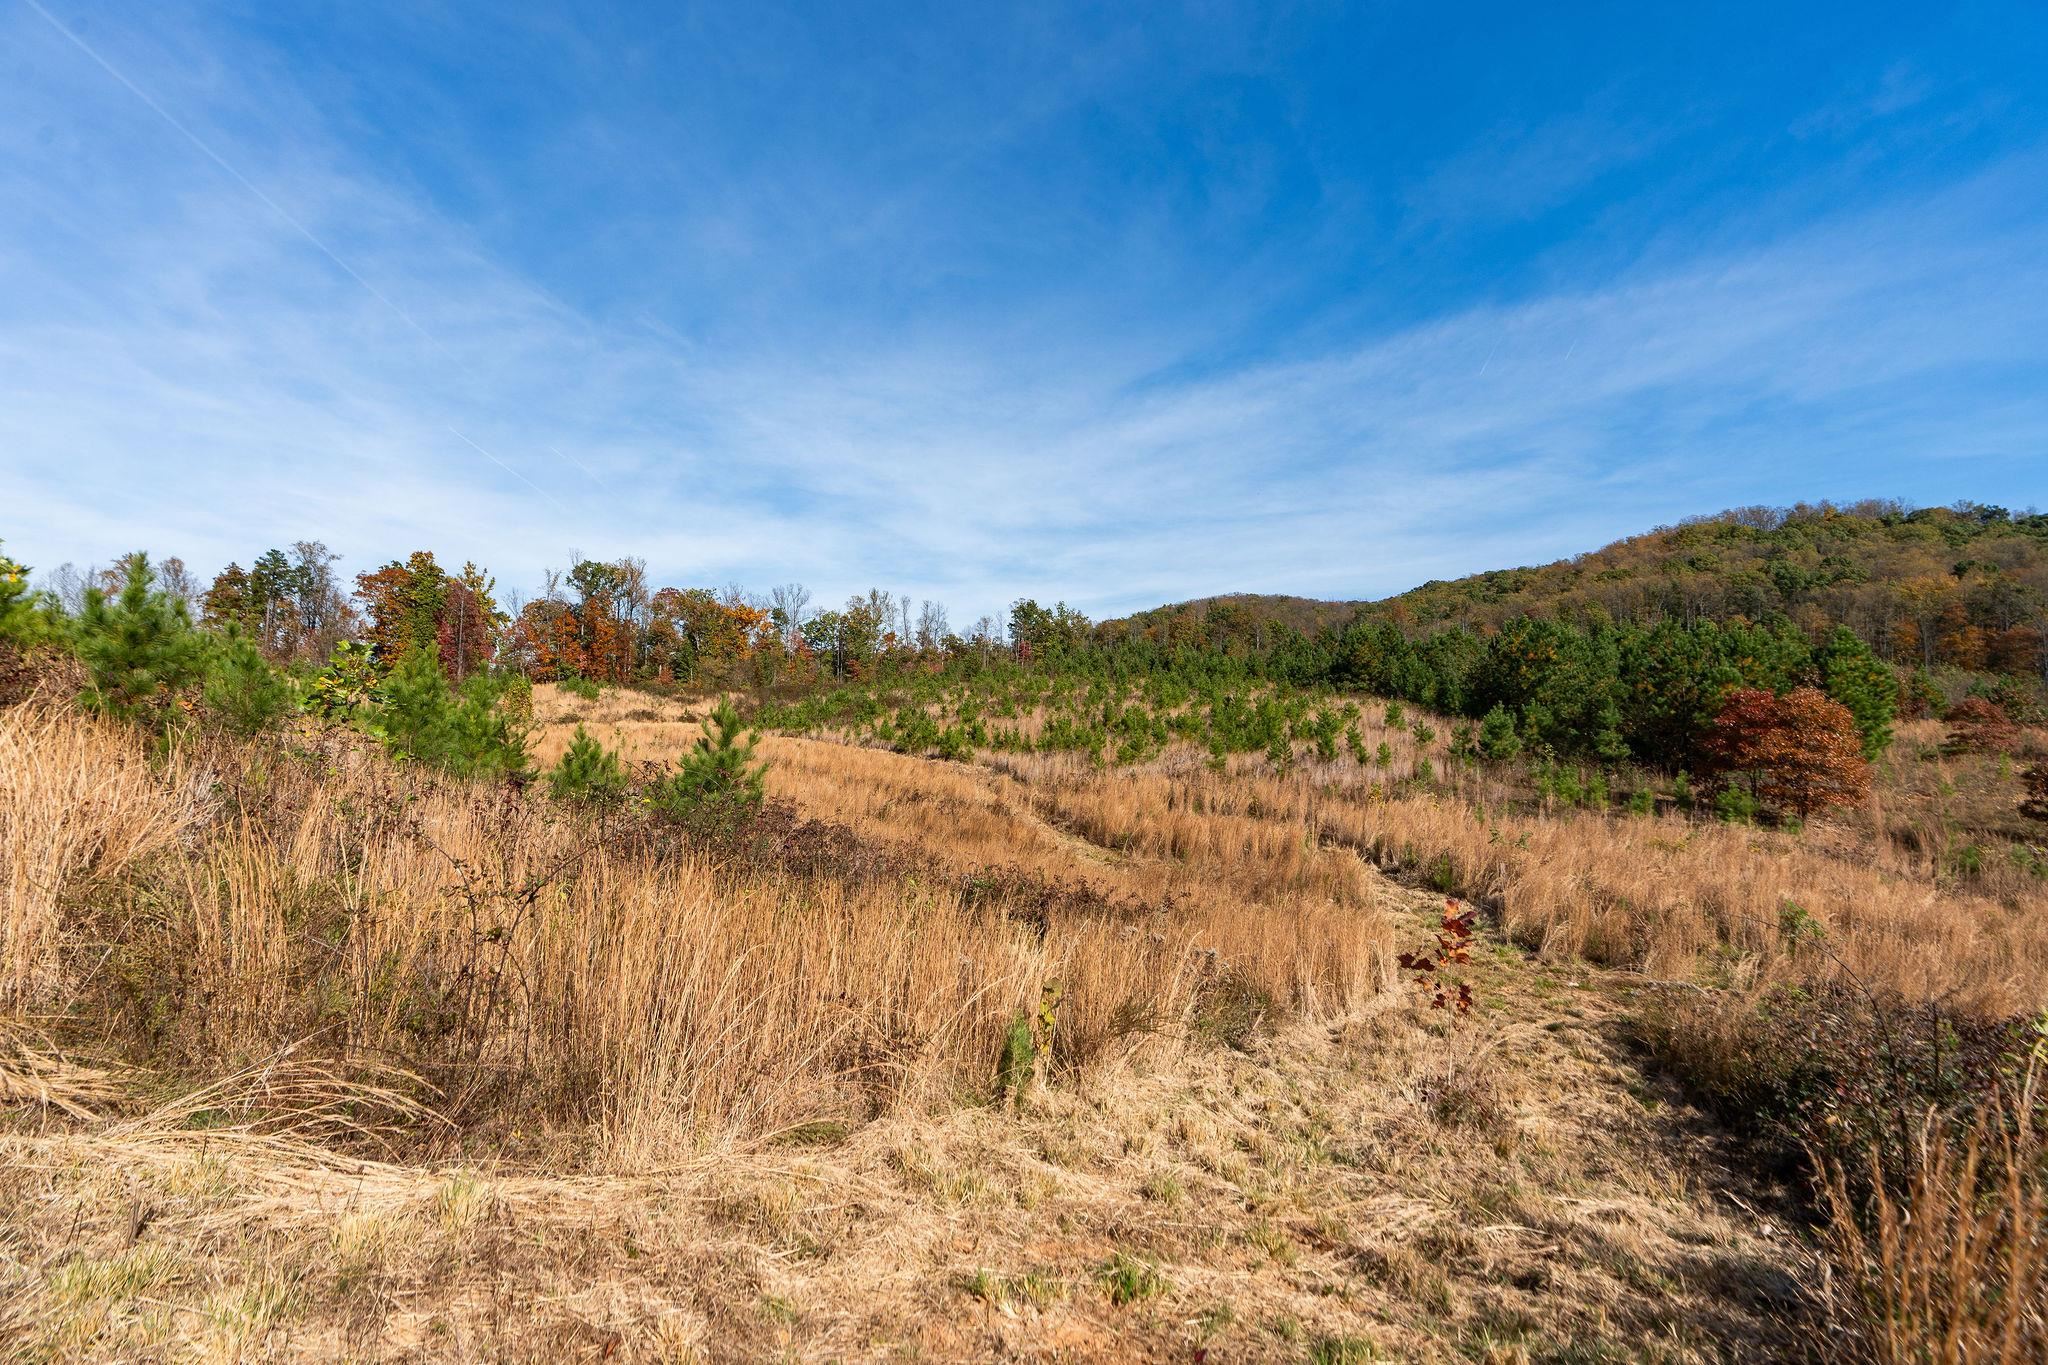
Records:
x=242, y=691
x=955, y=745
x=1063, y=732
x=1355, y=742
x=1497, y=737
x=1967, y=861
x=914, y=731
x=1463, y=744
x=469, y=731
x=1737, y=806
x=587, y=772
x=139, y=647
x=1326, y=744
x=24, y=621
x=349, y=681
x=578, y=686
x=1572, y=786
x=718, y=782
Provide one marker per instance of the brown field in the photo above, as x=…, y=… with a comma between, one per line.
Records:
x=312, y=1057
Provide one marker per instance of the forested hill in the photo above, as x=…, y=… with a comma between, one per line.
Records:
x=1963, y=586
x=1240, y=617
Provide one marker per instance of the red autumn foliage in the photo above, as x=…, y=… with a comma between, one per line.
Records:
x=1452, y=946
x=1799, y=752
x=464, y=631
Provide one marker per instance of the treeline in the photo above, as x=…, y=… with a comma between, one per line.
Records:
x=1616, y=692
x=1627, y=653
x=1607, y=694
x=604, y=620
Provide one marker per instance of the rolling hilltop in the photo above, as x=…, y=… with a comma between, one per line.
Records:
x=1963, y=586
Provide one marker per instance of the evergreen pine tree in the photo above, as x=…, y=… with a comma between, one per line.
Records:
x=467, y=732
x=241, y=688
x=412, y=714
x=1497, y=737
x=718, y=779
x=587, y=772
x=139, y=647
x=1854, y=676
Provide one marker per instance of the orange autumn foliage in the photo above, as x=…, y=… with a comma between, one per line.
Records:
x=1797, y=753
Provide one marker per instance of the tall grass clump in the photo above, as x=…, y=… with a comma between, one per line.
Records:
x=1948, y=1264
x=655, y=983
x=81, y=810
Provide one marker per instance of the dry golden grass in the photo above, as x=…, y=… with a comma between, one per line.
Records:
x=78, y=805
x=1505, y=1192
x=1301, y=919
x=1953, y=1270
x=1665, y=895
x=529, y=960
x=353, y=1063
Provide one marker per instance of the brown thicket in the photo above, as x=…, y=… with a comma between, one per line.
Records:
x=1977, y=725
x=2034, y=805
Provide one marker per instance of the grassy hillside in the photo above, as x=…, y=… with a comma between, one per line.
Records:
x=326, y=1058
x=1079, y=1006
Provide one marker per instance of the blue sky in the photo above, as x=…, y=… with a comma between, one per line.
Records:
x=1117, y=304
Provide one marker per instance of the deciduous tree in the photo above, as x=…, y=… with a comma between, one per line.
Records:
x=1797, y=753
x=1978, y=725
x=404, y=602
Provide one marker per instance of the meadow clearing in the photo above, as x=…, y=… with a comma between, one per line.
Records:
x=311, y=1055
